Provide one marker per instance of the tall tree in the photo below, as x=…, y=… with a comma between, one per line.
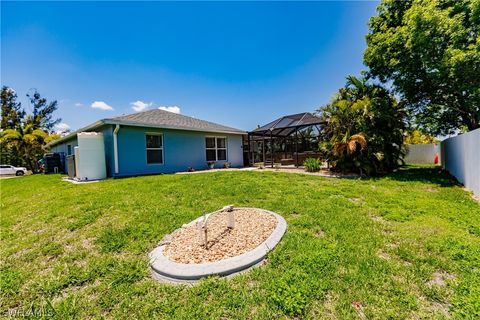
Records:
x=42, y=116
x=12, y=112
x=23, y=137
x=429, y=50
x=12, y=116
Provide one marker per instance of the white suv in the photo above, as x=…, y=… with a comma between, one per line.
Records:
x=18, y=171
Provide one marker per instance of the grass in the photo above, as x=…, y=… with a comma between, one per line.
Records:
x=403, y=246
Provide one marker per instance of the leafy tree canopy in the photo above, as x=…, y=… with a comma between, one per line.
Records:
x=22, y=136
x=12, y=112
x=429, y=50
x=42, y=116
x=418, y=137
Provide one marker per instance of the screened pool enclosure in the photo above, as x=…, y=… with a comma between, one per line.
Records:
x=287, y=140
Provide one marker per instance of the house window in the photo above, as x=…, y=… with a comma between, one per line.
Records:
x=69, y=149
x=154, y=148
x=216, y=148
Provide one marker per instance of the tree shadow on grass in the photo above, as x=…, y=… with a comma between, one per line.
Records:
x=426, y=173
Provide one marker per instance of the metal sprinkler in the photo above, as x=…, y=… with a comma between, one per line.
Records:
x=203, y=225
x=230, y=216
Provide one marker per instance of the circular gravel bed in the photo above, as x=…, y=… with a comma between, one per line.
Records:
x=252, y=227
x=182, y=256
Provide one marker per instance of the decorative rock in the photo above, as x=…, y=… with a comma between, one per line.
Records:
x=229, y=251
x=253, y=226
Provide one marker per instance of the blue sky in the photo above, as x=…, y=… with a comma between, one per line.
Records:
x=238, y=64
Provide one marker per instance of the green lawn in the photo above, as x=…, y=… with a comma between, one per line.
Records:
x=403, y=246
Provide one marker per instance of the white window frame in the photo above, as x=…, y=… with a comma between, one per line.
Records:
x=161, y=148
x=216, y=148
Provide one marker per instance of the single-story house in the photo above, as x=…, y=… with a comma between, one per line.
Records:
x=158, y=141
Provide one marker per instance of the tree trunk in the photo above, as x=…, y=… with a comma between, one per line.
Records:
x=28, y=159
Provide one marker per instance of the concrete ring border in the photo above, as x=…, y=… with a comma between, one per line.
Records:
x=169, y=271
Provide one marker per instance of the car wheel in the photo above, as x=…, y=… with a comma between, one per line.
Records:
x=19, y=173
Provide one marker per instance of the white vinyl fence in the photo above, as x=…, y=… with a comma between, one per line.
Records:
x=421, y=153
x=461, y=158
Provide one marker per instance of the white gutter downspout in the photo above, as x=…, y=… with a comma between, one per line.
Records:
x=115, y=147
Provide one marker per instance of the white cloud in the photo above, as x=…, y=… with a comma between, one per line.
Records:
x=173, y=109
x=140, y=105
x=101, y=105
x=78, y=104
x=62, y=127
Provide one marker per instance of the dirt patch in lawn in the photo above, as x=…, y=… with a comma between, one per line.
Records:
x=439, y=279
x=252, y=227
x=431, y=189
x=319, y=234
x=331, y=300
x=376, y=218
x=355, y=200
x=383, y=255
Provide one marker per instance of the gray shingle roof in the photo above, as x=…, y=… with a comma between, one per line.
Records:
x=166, y=119
x=159, y=119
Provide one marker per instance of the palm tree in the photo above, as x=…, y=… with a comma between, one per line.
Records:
x=363, y=127
x=27, y=142
x=350, y=145
x=307, y=138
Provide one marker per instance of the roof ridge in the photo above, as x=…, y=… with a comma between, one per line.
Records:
x=158, y=118
x=136, y=117
x=137, y=112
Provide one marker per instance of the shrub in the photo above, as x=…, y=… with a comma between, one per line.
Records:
x=363, y=130
x=312, y=164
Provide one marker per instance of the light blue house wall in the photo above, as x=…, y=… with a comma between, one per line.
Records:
x=181, y=149
x=107, y=131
